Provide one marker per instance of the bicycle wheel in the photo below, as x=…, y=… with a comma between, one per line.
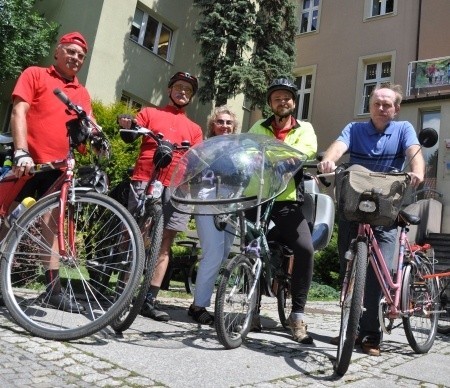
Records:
x=284, y=302
x=151, y=225
x=233, y=307
x=444, y=298
x=31, y=243
x=419, y=302
x=352, y=307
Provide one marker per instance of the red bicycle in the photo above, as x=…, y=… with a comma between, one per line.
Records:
x=87, y=233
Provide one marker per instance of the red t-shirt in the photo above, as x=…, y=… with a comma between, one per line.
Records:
x=175, y=127
x=47, y=117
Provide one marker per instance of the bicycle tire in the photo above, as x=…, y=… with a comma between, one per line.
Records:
x=421, y=296
x=352, y=308
x=284, y=302
x=22, y=272
x=444, y=297
x=152, y=226
x=233, y=308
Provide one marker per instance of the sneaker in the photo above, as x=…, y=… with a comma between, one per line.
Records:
x=298, y=329
x=256, y=326
x=200, y=315
x=370, y=347
x=150, y=309
x=63, y=301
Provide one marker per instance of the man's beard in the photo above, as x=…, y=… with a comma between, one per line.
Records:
x=284, y=112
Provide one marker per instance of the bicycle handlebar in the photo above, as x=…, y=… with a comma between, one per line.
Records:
x=157, y=137
x=94, y=131
x=322, y=177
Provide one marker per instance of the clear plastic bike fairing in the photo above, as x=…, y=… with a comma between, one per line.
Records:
x=228, y=173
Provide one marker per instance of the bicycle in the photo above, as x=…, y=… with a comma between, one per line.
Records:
x=443, y=279
x=263, y=169
x=149, y=215
x=372, y=199
x=85, y=229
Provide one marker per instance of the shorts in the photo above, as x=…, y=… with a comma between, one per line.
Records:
x=173, y=219
x=38, y=185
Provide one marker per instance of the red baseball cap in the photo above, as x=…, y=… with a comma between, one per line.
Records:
x=76, y=38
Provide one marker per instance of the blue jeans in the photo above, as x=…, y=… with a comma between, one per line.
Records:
x=386, y=238
x=215, y=247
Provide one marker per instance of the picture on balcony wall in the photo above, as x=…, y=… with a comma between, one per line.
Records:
x=433, y=73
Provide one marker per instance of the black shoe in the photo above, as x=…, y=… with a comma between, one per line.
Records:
x=201, y=316
x=64, y=302
x=150, y=309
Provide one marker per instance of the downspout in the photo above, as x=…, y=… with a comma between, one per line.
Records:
x=418, y=30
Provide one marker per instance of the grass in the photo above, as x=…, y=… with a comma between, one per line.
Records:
x=318, y=292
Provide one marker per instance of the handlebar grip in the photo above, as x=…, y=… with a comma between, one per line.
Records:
x=60, y=94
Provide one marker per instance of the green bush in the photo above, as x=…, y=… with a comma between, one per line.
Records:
x=123, y=155
x=322, y=292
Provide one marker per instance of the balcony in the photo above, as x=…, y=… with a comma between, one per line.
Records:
x=429, y=77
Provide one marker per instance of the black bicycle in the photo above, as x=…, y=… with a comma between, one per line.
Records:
x=149, y=216
x=252, y=172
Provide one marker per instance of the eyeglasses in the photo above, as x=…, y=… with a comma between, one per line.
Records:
x=224, y=122
x=81, y=56
x=181, y=88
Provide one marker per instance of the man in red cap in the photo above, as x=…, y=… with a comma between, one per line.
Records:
x=38, y=125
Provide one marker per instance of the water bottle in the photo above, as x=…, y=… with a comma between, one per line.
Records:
x=7, y=164
x=19, y=210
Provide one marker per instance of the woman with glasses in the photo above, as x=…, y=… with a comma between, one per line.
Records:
x=215, y=243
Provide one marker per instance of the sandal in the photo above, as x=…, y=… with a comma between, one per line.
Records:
x=201, y=316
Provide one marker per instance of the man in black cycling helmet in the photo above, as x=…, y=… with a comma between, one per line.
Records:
x=172, y=122
x=287, y=212
x=176, y=82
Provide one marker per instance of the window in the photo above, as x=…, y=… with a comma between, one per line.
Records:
x=382, y=7
x=374, y=74
x=309, y=15
x=130, y=103
x=151, y=33
x=303, y=100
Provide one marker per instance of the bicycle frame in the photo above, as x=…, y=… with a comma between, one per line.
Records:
x=390, y=285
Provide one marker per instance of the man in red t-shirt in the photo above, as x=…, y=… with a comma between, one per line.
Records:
x=172, y=122
x=38, y=125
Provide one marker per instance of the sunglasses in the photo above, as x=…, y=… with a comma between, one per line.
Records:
x=224, y=122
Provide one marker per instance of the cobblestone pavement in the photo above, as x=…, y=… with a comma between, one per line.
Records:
x=181, y=353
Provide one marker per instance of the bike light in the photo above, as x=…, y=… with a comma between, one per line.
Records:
x=367, y=206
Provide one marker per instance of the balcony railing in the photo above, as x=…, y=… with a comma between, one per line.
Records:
x=429, y=77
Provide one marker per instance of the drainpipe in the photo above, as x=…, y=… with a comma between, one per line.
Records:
x=418, y=30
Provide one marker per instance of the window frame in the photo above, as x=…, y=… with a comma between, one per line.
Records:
x=368, y=8
x=143, y=35
x=363, y=82
x=304, y=91
x=310, y=11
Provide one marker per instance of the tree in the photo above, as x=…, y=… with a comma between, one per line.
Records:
x=224, y=33
x=226, y=30
x=25, y=37
x=274, y=53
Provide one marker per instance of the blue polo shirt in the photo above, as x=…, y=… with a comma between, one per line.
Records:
x=378, y=151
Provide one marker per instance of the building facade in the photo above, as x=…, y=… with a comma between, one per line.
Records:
x=345, y=48
x=134, y=48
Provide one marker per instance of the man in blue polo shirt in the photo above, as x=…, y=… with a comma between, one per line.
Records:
x=380, y=144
